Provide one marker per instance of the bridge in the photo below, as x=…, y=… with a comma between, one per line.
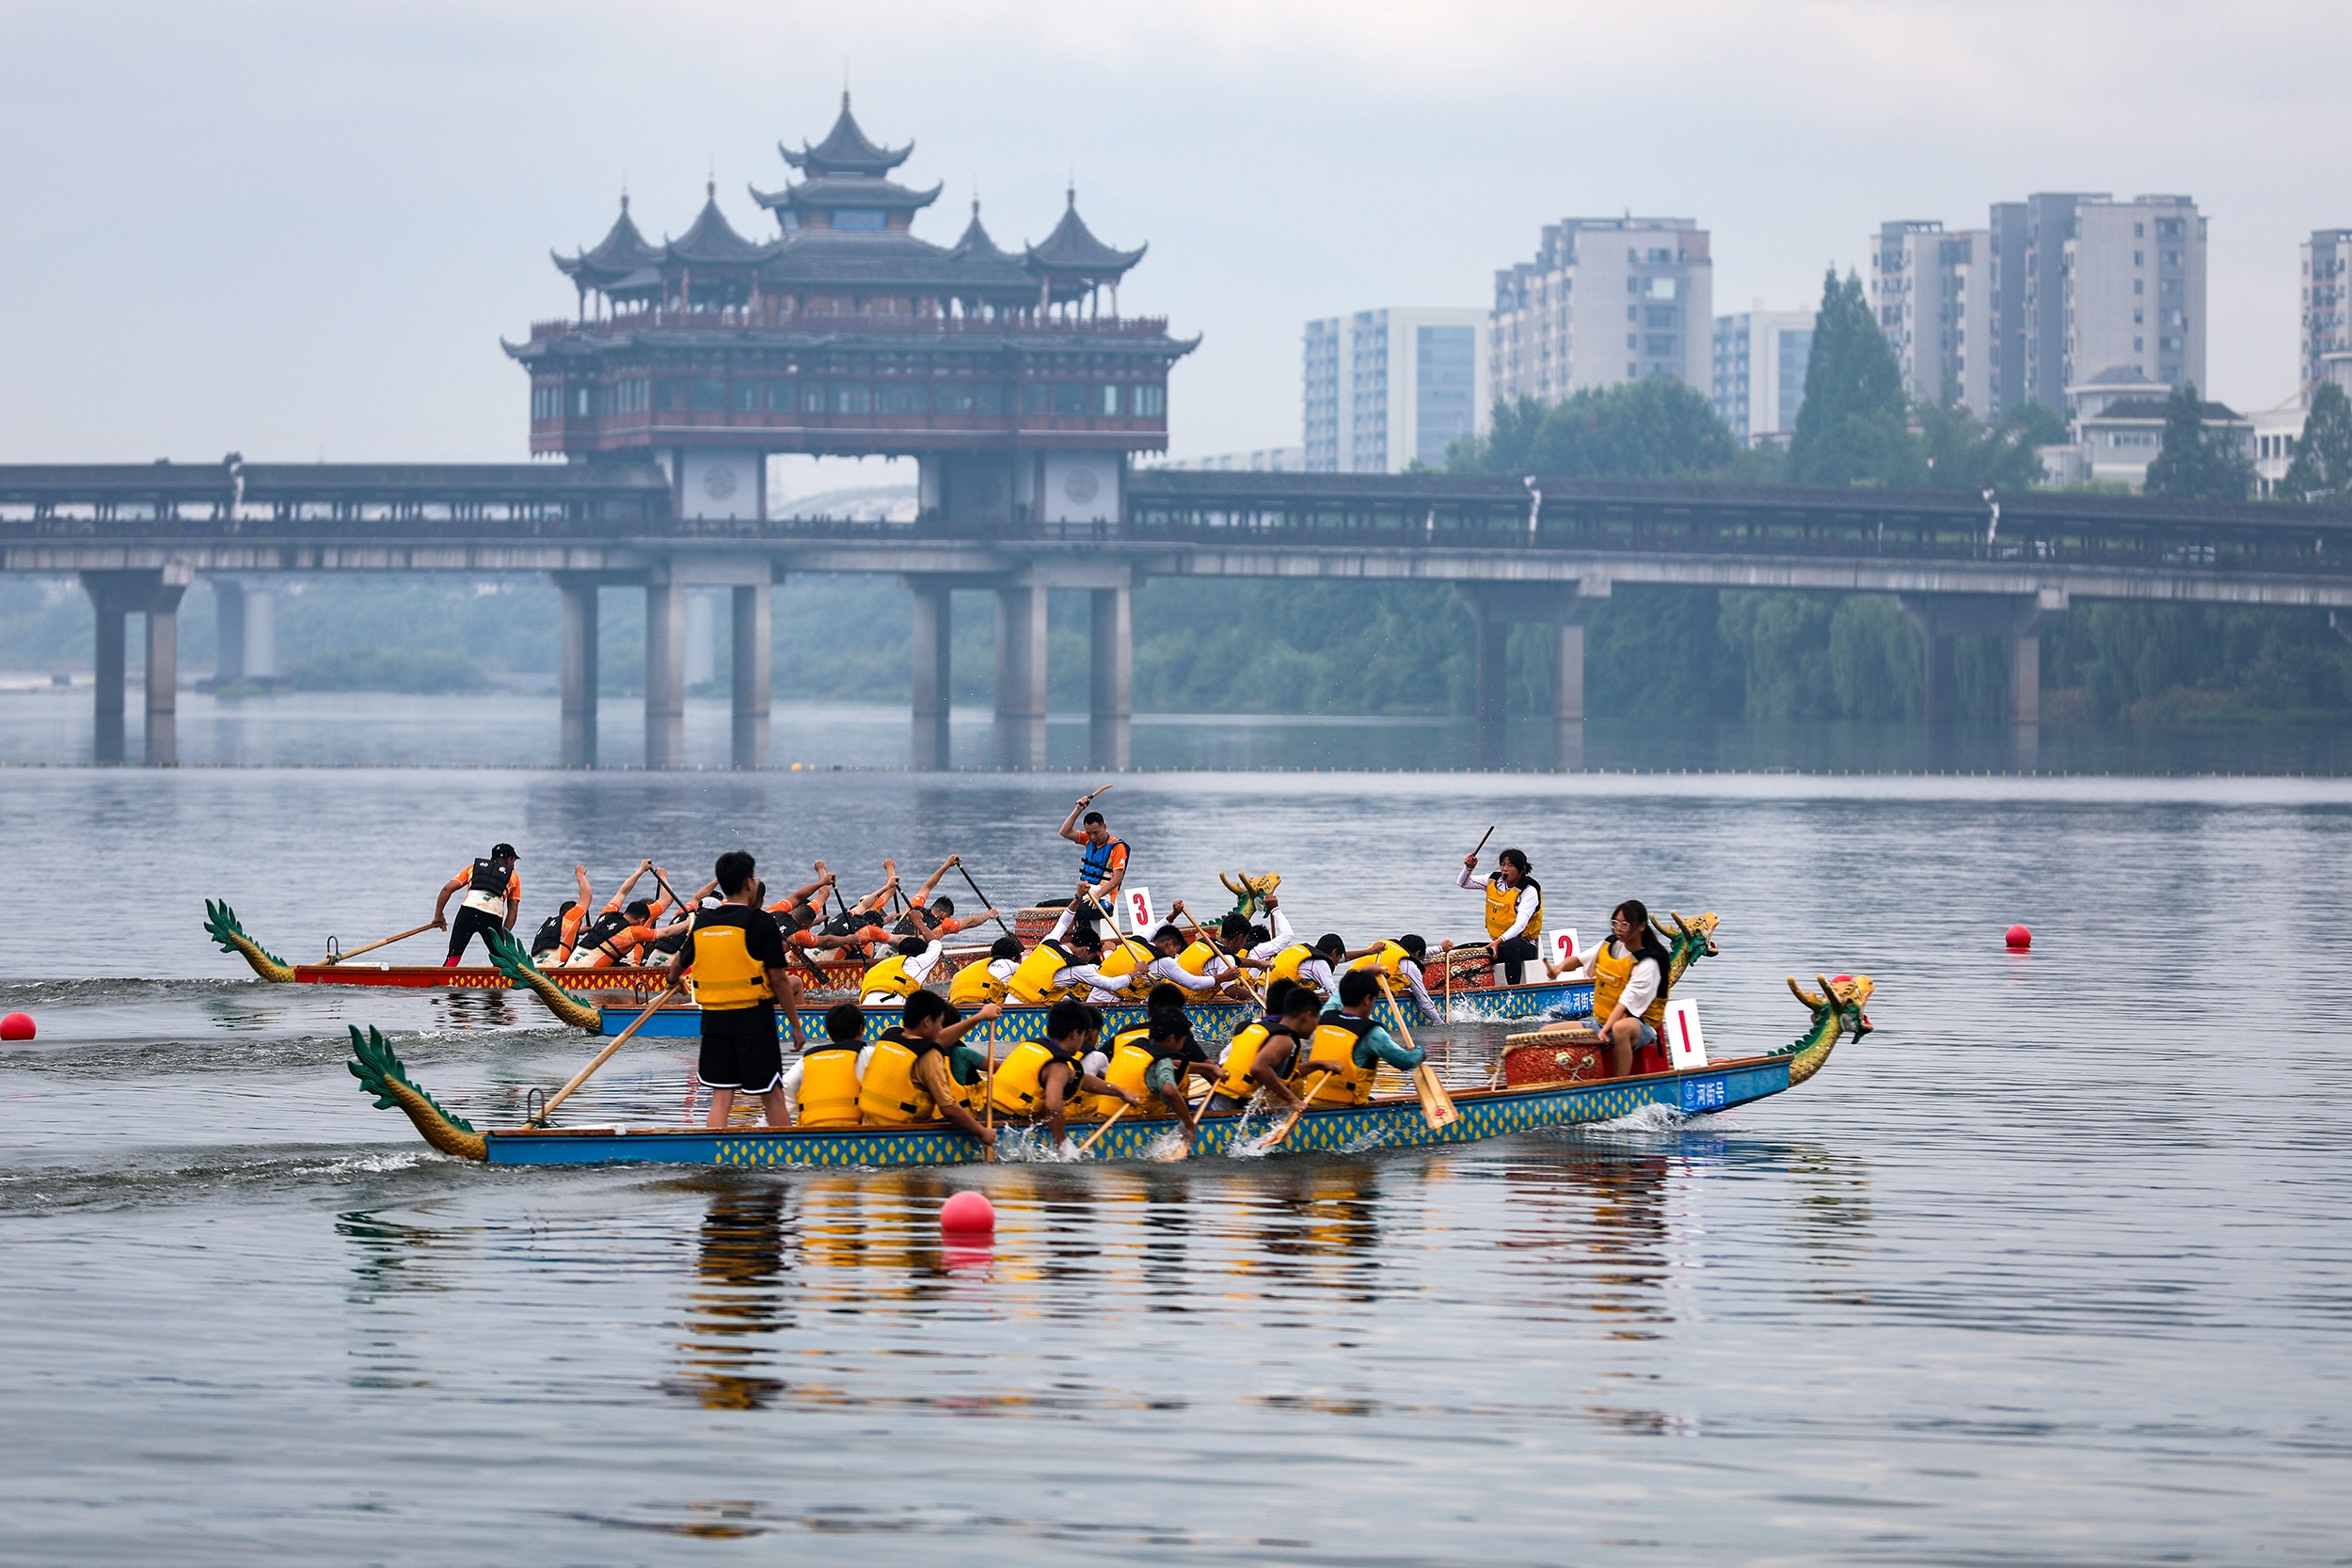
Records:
x=1513, y=548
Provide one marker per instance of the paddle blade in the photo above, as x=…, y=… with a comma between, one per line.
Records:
x=1437, y=1106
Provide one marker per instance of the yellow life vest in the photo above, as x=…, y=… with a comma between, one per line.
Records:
x=829, y=1087
x=976, y=984
x=1125, y=964
x=1240, y=1057
x=1019, y=1086
x=1286, y=962
x=1332, y=1048
x=1195, y=960
x=1502, y=906
x=1130, y=1059
x=1610, y=973
x=1390, y=960
x=890, y=975
x=888, y=1096
x=726, y=976
x=1033, y=982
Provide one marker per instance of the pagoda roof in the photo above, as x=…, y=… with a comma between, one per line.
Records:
x=852, y=190
x=979, y=259
x=1072, y=249
x=846, y=149
x=824, y=258
x=622, y=251
x=712, y=241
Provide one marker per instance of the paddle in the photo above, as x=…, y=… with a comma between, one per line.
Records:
x=1282, y=1135
x=1201, y=933
x=985, y=901
x=1437, y=1106
x=1104, y=1128
x=988, y=1111
x=334, y=959
x=602, y=1057
x=1482, y=840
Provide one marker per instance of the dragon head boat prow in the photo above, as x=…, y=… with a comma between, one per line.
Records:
x=1249, y=892
x=381, y=1074
x=516, y=966
x=1837, y=1009
x=1694, y=940
x=221, y=925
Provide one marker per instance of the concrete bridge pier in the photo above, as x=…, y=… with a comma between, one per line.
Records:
x=578, y=674
x=665, y=670
x=1111, y=710
x=1494, y=606
x=244, y=619
x=753, y=681
x=153, y=593
x=2016, y=619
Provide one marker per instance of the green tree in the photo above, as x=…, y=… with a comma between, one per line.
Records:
x=2196, y=463
x=1851, y=430
x=1964, y=453
x=2322, y=469
x=1656, y=428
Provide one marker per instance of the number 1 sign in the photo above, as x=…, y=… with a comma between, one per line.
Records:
x=1686, y=1044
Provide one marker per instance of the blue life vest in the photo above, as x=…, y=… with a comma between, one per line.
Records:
x=1094, y=865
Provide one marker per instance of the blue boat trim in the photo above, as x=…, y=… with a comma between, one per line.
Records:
x=1386, y=1124
x=1212, y=1023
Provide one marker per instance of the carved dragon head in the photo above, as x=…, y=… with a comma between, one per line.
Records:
x=1249, y=892
x=1693, y=940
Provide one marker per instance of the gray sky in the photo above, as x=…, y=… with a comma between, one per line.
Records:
x=299, y=230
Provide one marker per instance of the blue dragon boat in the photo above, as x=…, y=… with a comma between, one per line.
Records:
x=1397, y=1122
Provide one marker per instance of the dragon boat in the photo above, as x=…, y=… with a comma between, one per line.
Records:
x=1394, y=1121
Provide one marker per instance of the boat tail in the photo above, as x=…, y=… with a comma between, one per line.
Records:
x=1836, y=1010
x=516, y=966
x=381, y=1074
x=221, y=925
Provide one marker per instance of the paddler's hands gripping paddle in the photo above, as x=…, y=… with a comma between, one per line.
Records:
x=1282, y=1133
x=1437, y=1106
x=1201, y=933
x=602, y=1057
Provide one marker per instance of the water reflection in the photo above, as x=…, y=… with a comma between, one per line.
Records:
x=737, y=1300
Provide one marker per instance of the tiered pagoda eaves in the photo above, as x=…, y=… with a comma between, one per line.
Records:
x=846, y=334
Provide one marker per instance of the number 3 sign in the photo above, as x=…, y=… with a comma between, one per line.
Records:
x=1138, y=900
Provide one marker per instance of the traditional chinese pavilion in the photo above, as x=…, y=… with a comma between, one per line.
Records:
x=1002, y=371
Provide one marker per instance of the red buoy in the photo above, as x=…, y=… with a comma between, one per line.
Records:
x=2019, y=939
x=968, y=1213
x=16, y=1027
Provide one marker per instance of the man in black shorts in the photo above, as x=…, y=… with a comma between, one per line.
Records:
x=734, y=954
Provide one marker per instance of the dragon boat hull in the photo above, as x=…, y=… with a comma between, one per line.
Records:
x=1212, y=1023
x=1383, y=1124
x=471, y=977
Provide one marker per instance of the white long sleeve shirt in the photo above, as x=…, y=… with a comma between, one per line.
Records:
x=1524, y=910
x=1640, y=986
x=918, y=969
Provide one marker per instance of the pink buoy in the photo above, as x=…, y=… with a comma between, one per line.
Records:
x=968, y=1213
x=2019, y=939
x=16, y=1027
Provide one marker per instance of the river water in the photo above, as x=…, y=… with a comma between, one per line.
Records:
x=2054, y=1268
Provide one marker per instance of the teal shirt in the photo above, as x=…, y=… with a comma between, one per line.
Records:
x=1377, y=1044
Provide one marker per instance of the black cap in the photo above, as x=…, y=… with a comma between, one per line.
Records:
x=503, y=852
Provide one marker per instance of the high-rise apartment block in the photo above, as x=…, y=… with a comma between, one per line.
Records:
x=1605, y=300
x=2327, y=310
x=2084, y=284
x=1932, y=292
x=1759, y=363
x=1384, y=390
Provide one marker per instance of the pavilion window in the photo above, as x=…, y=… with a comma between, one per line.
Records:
x=1036, y=398
x=1151, y=402
x=747, y=397
x=783, y=397
x=1069, y=399
x=665, y=396
x=852, y=397
x=711, y=395
x=1108, y=404
x=904, y=397
x=991, y=397
x=814, y=399
x=953, y=397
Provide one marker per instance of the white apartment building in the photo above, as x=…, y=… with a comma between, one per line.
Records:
x=2327, y=304
x=1605, y=300
x=1932, y=293
x=1384, y=390
x=1759, y=363
x=2084, y=283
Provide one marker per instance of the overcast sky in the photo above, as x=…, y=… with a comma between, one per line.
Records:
x=299, y=230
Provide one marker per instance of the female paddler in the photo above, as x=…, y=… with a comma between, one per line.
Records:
x=1515, y=912
x=1628, y=974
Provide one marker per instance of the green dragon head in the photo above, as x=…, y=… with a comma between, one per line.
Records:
x=220, y=924
x=1249, y=892
x=1693, y=940
x=514, y=963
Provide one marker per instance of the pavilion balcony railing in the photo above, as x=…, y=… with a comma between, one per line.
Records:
x=768, y=317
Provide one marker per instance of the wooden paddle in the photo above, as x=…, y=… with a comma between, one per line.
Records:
x=982, y=896
x=602, y=1057
x=1482, y=841
x=1100, y=1130
x=334, y=959
x=1437, y=1106
x=988, y=1112
x=1201, y=933
x=1282, y=1135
